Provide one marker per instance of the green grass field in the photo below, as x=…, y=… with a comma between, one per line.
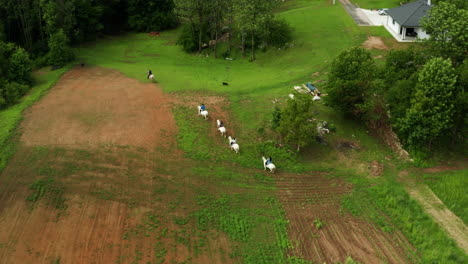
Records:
x=450, y=187
x=376, y=4
x=240, y=204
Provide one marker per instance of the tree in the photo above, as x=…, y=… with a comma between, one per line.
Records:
x=350, y=80
x=251, y=15
x=20, y=67
x=400, y=78
x=447, y=26
x=296, y=125
x=151, y=15
x=433, y=105
x=59, y=52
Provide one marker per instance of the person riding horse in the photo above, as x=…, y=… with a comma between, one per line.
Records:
x=221, y=124
x=202, y=108
x=233, y=141
x=268, y=161
x=149, y=74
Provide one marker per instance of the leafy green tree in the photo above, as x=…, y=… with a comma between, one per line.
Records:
x=15, y=73
x=20, y=67
x=350, y=80
x=251, y=15
x=296, y=125
x=400, y=76
x=151, y=15
x=463, y=4
x=447, y=26
x=433, y=105
x=59, y=51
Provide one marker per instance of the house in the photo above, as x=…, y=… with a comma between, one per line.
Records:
x=404, y=20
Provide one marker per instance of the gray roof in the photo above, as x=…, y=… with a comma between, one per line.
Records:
x=408, y=15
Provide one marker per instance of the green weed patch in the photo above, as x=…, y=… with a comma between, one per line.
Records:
x=50, y=190
x=390, y=199
x=450, y=187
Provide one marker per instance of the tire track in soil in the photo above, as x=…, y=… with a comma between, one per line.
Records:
x=307, y=197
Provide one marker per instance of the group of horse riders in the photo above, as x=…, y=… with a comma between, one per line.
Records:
x=203, y=108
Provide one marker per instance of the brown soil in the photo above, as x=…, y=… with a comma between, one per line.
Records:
x=96, y=106
x=310, y=197
x=454, y=165
x=110, y=141
x=376, y=169
x=374, y=43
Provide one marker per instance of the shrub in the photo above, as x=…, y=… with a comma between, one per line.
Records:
x=276, y=33
x=11, y=92
x=151, y=15
x=20, y=67
x=59, y=51
x=188, y=39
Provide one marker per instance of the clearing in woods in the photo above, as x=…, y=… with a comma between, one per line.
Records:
x=110, y=186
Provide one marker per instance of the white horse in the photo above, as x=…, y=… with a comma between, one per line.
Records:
x=151, y=77
x=233, y=146
x=270, y=166
x=221, y=129
x=203, y=113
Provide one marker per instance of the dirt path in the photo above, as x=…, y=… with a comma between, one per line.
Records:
x=453, y=225
x=359, y=17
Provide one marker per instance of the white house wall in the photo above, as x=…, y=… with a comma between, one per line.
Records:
x=394, y=26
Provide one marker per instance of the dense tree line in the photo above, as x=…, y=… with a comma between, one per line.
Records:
x=39, y=32
x=249, y=24
x=420, y=91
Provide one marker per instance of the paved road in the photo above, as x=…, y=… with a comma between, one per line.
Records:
x=359, y=17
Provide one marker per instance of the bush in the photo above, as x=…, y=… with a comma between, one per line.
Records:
x=59, y=51
x=188, y=39
x=151, y=15
x=276, y=33
x=20, y=67
x=11, y=92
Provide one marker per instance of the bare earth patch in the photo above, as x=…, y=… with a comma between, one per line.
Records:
x=110, y=141
x=95, y=106
x=374, y=43
x=308, y=198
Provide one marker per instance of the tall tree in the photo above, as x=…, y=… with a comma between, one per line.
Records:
x=59, y=51
x=447, y=26
x=151, y=15
x=433, y=105
x=296, y=125
x=350, y=80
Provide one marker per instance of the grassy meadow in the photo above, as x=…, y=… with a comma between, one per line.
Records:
x=450, y=187
x=222, y=191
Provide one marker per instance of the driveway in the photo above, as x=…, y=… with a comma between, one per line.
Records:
x=356, y=13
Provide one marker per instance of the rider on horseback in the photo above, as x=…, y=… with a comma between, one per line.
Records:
x=233, y=141
x=202, y=107
x=268, y=161
x=149, y=74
